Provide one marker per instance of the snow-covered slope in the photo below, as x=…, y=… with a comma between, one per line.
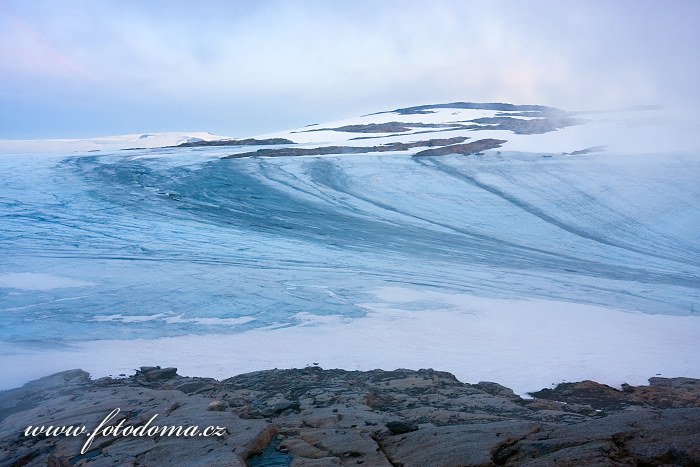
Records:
x=641, y=130
x=353, y=247
x=106, y=143
x=525, y=128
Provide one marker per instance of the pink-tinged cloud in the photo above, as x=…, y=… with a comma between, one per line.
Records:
x=251, y=67
x=26, y=53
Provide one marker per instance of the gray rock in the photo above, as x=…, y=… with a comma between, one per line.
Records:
x=495, y=389
x=399, y=427
x=455, y=445
x=280, y=407
x=106, y=381
x=337, y=417
x=160, y=374
x=217, y=406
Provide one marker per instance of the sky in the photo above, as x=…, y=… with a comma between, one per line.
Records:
x=77, y=69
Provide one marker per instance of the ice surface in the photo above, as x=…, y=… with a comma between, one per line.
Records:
x=31, y=281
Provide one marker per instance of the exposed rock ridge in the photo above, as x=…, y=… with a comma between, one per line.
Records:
x=326, y=150
x=337, y=417
x=235, y=142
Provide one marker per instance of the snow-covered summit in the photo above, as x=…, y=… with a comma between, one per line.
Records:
x=526, y=128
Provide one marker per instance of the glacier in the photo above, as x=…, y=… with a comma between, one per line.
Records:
x=221, y=261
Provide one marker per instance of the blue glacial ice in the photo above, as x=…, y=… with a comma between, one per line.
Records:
x=169, y=242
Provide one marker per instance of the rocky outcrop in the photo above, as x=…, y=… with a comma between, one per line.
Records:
x=72, y=399
x=663, y=393
x=440, y=147
x=530, y=126
x=581, y=152
x=422, y=109
x=325, y=150
x=315, y=417
x=389, y=127
x=236, y=142
x=468, y=148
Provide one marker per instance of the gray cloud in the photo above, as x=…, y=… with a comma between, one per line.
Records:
x=84, y=68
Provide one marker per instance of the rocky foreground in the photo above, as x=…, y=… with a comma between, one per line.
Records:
x=316, y=417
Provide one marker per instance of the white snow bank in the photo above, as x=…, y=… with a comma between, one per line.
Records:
x=106, y=143
x=525, y=345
